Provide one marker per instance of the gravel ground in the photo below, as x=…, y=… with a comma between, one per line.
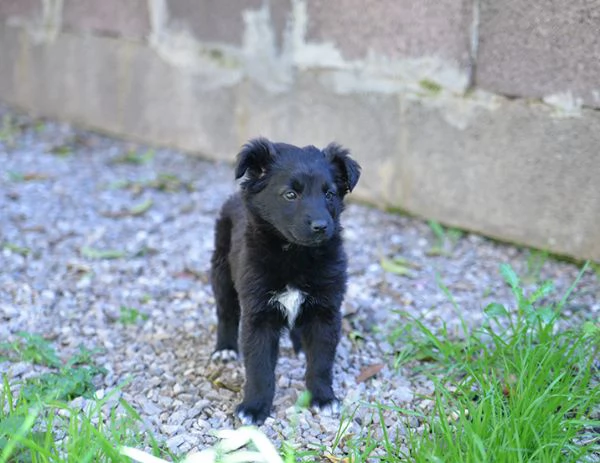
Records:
x=66, y=194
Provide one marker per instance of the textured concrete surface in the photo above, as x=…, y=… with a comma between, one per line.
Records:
x=280, y=12
x=129, y=19
x=210, y=20
x=119, y=87
x=20, y=9
x=515, y=173
x=394, y=28
x=540, y=48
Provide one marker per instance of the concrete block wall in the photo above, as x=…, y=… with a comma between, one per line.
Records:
x=477, y=113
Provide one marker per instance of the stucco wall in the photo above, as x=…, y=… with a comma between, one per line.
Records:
x=478, y=113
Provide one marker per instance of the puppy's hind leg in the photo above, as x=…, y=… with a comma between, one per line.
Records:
x=228, y=307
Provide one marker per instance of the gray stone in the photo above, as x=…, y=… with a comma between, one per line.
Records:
x=174, y=442
x=177, y=418
x=149, y=407
x=539, y=48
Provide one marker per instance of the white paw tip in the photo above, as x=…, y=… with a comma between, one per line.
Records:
x=225, y=355
x=332, y=408
x=246, y=420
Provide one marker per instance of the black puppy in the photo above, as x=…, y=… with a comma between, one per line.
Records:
x=279, y=262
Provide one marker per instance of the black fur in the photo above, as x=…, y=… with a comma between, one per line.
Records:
x=282, y=230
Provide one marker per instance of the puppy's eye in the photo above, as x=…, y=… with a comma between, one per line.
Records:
x=329, y=195
x=290, y=195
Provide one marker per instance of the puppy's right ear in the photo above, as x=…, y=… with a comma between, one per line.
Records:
x=254, y=158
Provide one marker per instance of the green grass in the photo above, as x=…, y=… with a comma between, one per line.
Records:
x=92, y=253
x=131, y=316
x=398, y=266
x=20, y=250
x=135, y=157
x=535, y=262
x=39, y=423
x=46, y=430
x=514, y=390
x=431, y=86
x=30, y=348
x=62, y=150
x=445, y=238
x=134, y=211
x=9, y=130
x=19, y=177
x=164, y=182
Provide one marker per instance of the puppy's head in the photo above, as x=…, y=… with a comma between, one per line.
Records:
x=298, y=191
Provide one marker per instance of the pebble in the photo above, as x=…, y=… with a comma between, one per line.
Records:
x=174, y=442
x=177, y=418
x=149, y=408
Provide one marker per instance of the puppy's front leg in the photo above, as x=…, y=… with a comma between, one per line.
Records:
x=320, y=336
x=260, y=346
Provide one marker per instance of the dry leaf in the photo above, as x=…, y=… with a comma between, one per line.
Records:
x=136, y=210
x=396, y=268
x=192, y=274
x=369, y=372
x=35, y=176
x=333, y=459
x=227, y=385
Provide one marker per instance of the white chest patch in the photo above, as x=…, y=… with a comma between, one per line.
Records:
x=289, y=302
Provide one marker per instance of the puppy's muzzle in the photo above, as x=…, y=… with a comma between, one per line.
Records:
x=319, y=227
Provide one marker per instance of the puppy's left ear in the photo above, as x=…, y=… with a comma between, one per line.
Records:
x=347, y=169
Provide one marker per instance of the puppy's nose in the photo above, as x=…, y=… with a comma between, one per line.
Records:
x=318, y=226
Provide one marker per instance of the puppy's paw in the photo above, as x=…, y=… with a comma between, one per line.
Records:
x=327, y=407
x=224, y=356
x=252, y=414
